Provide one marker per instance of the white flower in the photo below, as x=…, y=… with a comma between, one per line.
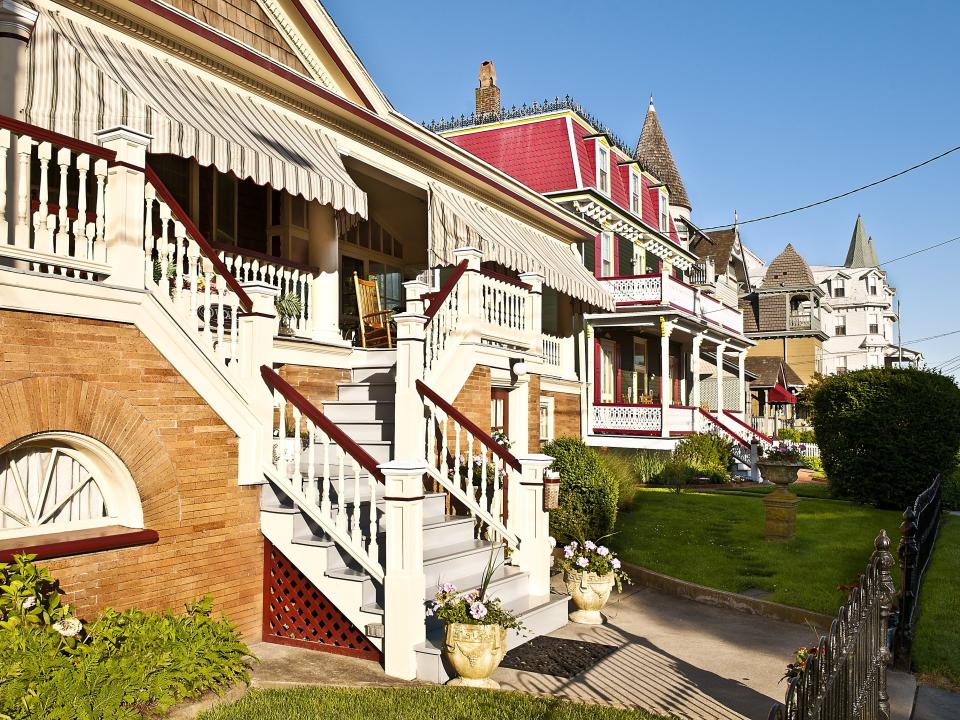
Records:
x=616, y=564
x=603, y=551
x=590, y=545
x=29, y=602
x=478, y=610
x=568, y=552
x=582, y=562
x=68, y=627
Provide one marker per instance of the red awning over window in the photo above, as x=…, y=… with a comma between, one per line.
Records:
x=779, y=395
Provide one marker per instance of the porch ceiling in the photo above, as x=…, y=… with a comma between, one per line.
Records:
x=651, y=320
x=84, y=79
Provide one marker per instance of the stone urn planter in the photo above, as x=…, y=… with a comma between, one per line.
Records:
x=780, y=506
x=589, y=593
x=474, y=652
x=780, y=474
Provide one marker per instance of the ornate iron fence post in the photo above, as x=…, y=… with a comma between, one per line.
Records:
x=888, y=600
x=907, y=550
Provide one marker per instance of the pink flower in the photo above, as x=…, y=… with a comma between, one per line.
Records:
x=616, y=564
x=602, y=551
x=478, y=610
x=568, y=552
x=590, y=545
x=582, y=562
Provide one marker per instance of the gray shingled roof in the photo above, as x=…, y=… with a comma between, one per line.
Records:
x=718, y=246
x=654, y=153
x=788, y=270
x=767, y=370
x=861, y=254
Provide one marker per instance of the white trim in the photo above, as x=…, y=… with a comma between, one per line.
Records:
x=607, y=243
x=636, y=186
x=548, y=403
x=601, y=148
x=574, y=154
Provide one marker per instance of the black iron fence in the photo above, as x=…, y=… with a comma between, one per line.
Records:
x=918, y=534
x=845, y=676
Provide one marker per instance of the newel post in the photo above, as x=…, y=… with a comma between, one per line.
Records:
x=470, y=299
x=404, y=621
x=124, y=204
x=256, y=332
x=534, y=308
x=410, y=424
x=531, y=523
x=888, y=603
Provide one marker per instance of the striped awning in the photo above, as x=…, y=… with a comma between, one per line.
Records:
x=457, y=220
x=83, y=79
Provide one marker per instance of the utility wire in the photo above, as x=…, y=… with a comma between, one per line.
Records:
x=921, y=250
x=837, y=197
x=932, y=337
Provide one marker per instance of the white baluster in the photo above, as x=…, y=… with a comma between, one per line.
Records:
x=81, y=237
x=4, y=149
x=21, y=228
x=100, y=247
x=163, y=251
x=325, y=480
x=432, y=438
x=341, y=505
x=43, y=232
x=193, y=276
x=63, y=225
x=444, y=467
x=373, y=551
x=470, y=463
x=481, y=496
x=179, y=241
x=207, y=278
x=456, y=453
x=299, y=480
x=149, y=242
x=282, y=434
x=307, y=297
x=311, y=459
x=221, y=292
x=355, y=534
x=235, y=330
x=278, y=443
x=496, y=500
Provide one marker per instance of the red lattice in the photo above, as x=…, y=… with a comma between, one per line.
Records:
x=295, y=612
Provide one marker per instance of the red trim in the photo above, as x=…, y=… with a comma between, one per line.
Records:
x=679, y=281
x=482, y=435
x=631, y=277
x=505, y=278
x=57, y=545
x=54, y=209
x=244, y=252
x=272, y=379
x=437, y=298
x=748, y=427
x=245, y=302
x=596, y=371
x=603, y=431
x=637, y=302
x=349, y=107
x=626, y=404
x=723, y=427
x=37, y=133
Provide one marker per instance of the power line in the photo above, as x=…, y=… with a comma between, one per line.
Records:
x=921, y=250
x=841, y=195
x=932, y=337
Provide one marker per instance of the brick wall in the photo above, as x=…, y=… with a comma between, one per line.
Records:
x=107, y=381
x=566, y=414
x=473, y=400
x=533, y=425
x=316, y=384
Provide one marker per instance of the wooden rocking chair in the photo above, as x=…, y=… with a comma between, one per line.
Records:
x=375, y=322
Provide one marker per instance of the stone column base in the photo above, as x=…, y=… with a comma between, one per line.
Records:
x=780, y=508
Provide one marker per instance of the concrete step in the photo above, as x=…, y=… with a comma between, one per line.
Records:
x=460, y=560
x=372, y=430
x=377, y=391
x=340, y=411
x=375, y=374
x=379, y=450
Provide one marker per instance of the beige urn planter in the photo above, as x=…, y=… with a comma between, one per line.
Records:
x=780, y=506
x=474, y=652
x=589, y=593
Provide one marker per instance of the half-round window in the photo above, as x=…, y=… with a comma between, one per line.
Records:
x=61, y=481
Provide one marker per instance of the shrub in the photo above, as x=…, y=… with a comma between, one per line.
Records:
x=806, y=436
x=951, y=489
x=814, y=463
x=648, y=465
x=618, y=464
x=588, y=492
x=677, y=473
x=122, y=666
x=884, y=434
x=707, y=455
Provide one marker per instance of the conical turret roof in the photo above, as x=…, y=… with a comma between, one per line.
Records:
x=861, y=252
x=654, y=153
x=789, y=270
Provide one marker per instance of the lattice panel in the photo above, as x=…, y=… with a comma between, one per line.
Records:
x=627, y=418
x=295, y=612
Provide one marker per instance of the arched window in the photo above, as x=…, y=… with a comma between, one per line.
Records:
x=58, y=481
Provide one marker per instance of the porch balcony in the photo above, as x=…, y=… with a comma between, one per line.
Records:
x=664, y=290
x=803, y=321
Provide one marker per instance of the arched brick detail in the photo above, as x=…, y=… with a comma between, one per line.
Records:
x=42, y=404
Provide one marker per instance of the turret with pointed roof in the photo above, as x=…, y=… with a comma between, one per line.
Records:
x=654, y=153
x=788, y=270
x=861, y=254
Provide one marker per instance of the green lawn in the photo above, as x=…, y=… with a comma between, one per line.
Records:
x=716, y=539
x=409, y=704
x=936, y=648
x=810, y=490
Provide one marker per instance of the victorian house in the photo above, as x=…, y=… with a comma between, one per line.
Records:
x=650, y=368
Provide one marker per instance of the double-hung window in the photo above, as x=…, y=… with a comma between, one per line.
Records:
x=664, y=212
x=841, y=326
x=874, y=324
x=839, y=288
x=606, y=254
x=603, y=168
x=635, y=187
x=872, y=284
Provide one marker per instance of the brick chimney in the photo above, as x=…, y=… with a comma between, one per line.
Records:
x=488, y=94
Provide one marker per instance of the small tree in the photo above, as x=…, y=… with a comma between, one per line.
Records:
x=884, y=434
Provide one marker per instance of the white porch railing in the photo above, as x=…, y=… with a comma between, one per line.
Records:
x=626, y=419
x=60, y=230
x=288, y=277
x=681, y=420
x=326, y=474
x=188, y=278
x=558, y=356
x=444, y=317
x=645, y=289
x=471, y=466
x=504, y=314
x=714, y=311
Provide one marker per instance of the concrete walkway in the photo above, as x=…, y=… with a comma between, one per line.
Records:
x=934, y=704
x=682, y=658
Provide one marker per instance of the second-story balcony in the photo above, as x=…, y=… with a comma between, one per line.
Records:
x=803, y=321
x=662, y=289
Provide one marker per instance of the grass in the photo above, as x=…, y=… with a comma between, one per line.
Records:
x=410, y=704
x=716, y=539
x=936, y=646
x=808, y=490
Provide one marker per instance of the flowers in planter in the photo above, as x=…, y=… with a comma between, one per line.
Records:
x=802, y=661
x=473, y=607
x=786, y=453
x=588, y=556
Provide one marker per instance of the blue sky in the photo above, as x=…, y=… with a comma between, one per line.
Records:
x=766, y=106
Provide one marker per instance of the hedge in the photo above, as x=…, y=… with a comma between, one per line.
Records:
x=588, y=492
x=885, y=434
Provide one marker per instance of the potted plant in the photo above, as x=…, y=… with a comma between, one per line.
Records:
x=288, y=306
x=590, y=572
x=475, y=631
x=781, y=463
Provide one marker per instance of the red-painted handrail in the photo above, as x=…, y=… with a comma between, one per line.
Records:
x=272, y=379
x=747, y=426
x=38, y=133
x=245, y=302
x=720, y=425
x=505, y=278
x=244, y=252
x=482, y=435
x=443, y=292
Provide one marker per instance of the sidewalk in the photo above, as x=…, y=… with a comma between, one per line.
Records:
x=687, y=659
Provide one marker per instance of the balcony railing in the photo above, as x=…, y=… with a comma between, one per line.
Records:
x=558, y=356
x=663, y=289
x=803, y=321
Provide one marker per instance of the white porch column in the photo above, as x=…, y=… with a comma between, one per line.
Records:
x=16, y=25
x=410, y=422
x=518, y=400
x=531, y=523
x=721, y=349
x=742, y=385
x=588, y=381
x=322, y=251
x=124, y=205
x=666, y=387
x=404, y=621
x=695, y=370
x=257, y=329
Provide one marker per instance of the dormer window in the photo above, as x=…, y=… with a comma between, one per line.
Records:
x=603, y=168
x=664, y=212
x=635, y=189
x=839, y=287
x=872, y=284
x=606, y=254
